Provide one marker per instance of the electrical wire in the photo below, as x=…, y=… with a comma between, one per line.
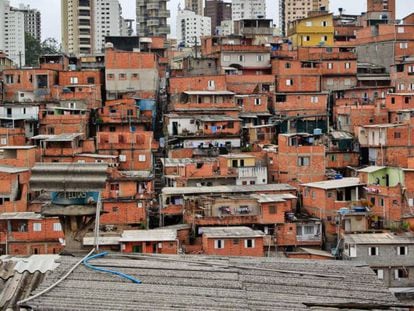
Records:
x=58, y=282
x=86, y=260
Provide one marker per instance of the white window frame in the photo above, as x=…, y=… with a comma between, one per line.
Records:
x=257, y=101
x=219, y=244
x=289, y=82
x=404, y=45
x=247, y=241
x=57, y=227
x=74, y=80
x=314, y=99
x=142, y=158
x=370, y=253
x=405, y=250
x=37, y=226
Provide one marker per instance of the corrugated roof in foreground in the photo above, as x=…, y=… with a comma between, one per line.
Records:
x=227, y=189
x=214, y=283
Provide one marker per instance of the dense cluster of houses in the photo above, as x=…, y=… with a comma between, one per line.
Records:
x=249, y=145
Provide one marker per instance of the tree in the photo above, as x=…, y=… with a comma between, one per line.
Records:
x=50, y=46
x=33, y=50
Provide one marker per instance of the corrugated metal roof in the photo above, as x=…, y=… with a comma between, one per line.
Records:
x=16, y=147
x=231, y=232
x=379, y=238
x=68, y=176
x=183, y=161
x=216, y=118
x=209, y=93
x=64, y=137
x=335, y=183
x=41, y=263
x=213, y=283
x=264, y=198
x=149, y=235
x=371, y=169
x=20, y=215
x=341, y=135
x=227, y=189
x=12, y=169
x=103, y=240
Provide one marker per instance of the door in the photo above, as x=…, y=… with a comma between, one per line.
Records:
x=175, y=128
x=9, y=112
x=137, y=249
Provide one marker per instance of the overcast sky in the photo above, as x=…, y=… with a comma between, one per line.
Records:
x=50, y=10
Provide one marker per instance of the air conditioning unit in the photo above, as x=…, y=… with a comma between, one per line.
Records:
x=122, y=158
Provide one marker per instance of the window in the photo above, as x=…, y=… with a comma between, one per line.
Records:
x=241, y=58
x=330, y=65
x=287, y=65
x=402, y=250
x=142, y=158
x=9, y=79
x=257, y=101
x=211, y=84
x=134, y=76
x=57, y=226
x=347, y=82
x=272, y=209
x=306, y=38
x=249, y=243
x=379, y=273
x=114, y=187
x=289, y=82
x=90, y=80
x=397, y=135
x=236, y=241
x=122, y=76
x=226, y=58
x=401, y=273
x=329, y=82
x=373, y=251
x=324, y=38
x=400, y=29
x=324, y=23
x=260, y=58
x=280, y=98
x=404, y=45
x=308, y=229
x=73, y=80
x=347, y=65
x=218, y=244
x=314, y=99
x=303, y=161
x=110, y=76
x=37, y=226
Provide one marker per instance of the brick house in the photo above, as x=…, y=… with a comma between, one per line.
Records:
x=232, y=241
x=160, y=241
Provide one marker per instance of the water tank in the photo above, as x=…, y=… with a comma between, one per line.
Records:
x=317, y=132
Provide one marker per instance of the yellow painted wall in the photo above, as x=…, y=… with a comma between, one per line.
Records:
x=312, y=28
